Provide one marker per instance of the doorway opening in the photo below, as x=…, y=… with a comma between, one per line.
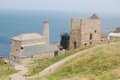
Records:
x=75, y=45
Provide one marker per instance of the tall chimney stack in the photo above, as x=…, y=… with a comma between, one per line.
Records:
x=46, y=30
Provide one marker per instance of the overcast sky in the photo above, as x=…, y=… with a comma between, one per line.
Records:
x=98, y=6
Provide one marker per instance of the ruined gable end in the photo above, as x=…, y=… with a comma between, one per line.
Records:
x=94, y=16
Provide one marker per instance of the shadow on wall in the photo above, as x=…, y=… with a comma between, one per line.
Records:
x=64, y=43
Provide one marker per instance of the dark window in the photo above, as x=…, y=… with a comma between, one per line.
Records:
x=56, y=53
x=91, y=36
x=75, y=45
x=85, y=44
x=95, y=31
x=21, y=47
x=90, y=42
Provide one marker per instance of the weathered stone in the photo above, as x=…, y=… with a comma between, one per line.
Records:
x=18, y=51
x=85, y=31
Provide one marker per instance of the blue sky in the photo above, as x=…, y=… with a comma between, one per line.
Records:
x=98, y=6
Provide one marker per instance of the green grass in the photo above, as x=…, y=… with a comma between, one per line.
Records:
x=40, y=65
x=5, y=70
x=101, y=63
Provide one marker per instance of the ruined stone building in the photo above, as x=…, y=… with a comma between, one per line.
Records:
x=29, y=46
x=85, y=31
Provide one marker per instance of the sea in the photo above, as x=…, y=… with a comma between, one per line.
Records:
x=15, y=22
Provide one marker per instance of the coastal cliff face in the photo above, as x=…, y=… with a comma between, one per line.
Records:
x=85, y=31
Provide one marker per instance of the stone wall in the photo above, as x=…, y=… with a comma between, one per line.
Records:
x=75, y=33
x=84, y=32
x=75, y=39
x=41, y=56
x=46, y=31
x=34, y=41
x=15, y=46
x=90, y=27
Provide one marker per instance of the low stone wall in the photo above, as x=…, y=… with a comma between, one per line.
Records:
x=43, y=56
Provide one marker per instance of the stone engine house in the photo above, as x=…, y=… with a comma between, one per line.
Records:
x=85, y=32
x=31, y=46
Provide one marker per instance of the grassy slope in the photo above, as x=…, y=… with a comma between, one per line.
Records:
x=5, y=70
x=102, y=63
x=40, y=65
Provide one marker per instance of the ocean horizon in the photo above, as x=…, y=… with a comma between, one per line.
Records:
x=13, y=23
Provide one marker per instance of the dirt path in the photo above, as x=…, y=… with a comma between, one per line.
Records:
x=20, y=75
x=60, y=63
